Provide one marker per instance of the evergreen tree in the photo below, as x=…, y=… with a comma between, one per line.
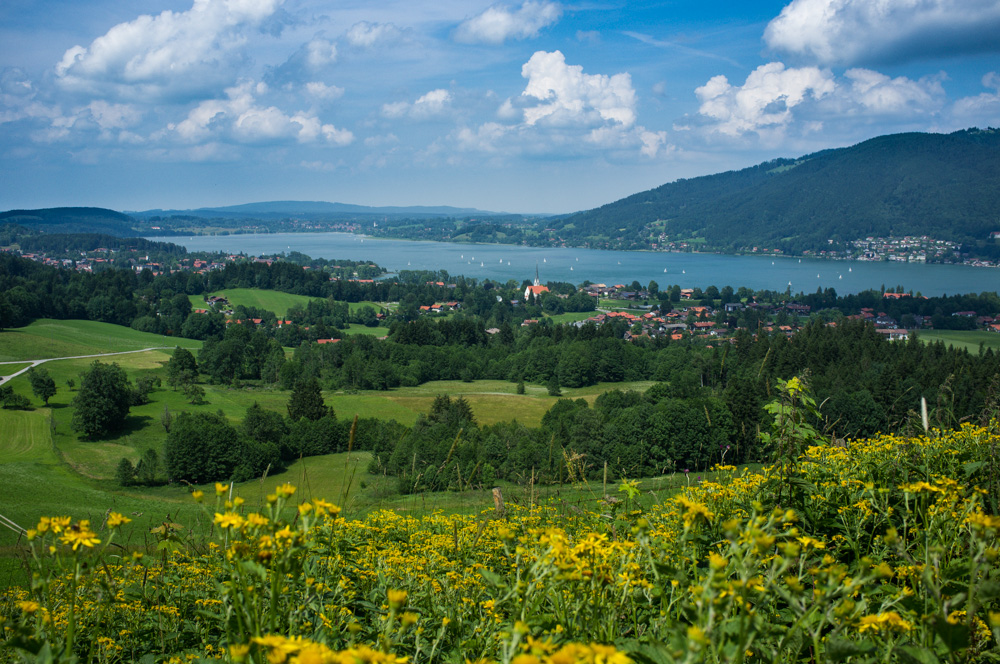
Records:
x=125, y=474
x=307, y=401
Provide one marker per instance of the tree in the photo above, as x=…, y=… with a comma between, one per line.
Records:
x=307, y=401
x=182, y=368
x=103, y=402
x=42, y=384
x=202, y=447
x=553, y=386
x=125, y=474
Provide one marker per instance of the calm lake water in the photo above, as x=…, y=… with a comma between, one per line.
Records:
x=503, y=262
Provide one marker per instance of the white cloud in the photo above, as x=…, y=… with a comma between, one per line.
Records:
x=434, y=103
x=879, y=93
x=500, y=23
x=983, y=108
x=564, y=111
x=568, y=96
x=765, y=100
x=114, y=116
x=366, y=34
x=320, y=52
x=877, y=31
x=172, y=54
x=241, y=119
x=774, y=98
x=321, y=90
x=483, y=138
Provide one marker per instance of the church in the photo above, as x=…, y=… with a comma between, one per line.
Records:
x=536, y=289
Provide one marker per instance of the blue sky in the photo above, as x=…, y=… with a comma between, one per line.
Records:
x=534, y=106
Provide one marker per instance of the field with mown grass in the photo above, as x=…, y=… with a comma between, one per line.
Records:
x=274, y=301
x=967, y=339
x=66, y=338
x=270, y=300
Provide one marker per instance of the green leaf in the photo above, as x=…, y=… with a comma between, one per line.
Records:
x=917, y=655
x=838, y=650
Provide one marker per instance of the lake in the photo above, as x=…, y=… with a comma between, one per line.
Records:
x=503, y=262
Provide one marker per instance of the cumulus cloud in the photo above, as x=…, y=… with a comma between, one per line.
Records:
x=868, y=31
x=567, y=95
x=500, y=23
x=307, y=61
x=114, y=116
x=564, y=110
x=766, y=99
x=881, y=94
x=240, y=118
x=774, y=97
x=366, y=34
x=435, y=102
x=320, y=90
x=982, y=108
x=172, y=54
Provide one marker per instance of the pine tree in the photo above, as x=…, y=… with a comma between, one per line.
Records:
x=307, y=401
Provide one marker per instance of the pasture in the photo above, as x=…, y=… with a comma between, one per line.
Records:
x=47, y=338
x=967, y=339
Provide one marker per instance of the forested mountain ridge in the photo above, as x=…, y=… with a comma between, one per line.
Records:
x=946, y=186
x=72, y=220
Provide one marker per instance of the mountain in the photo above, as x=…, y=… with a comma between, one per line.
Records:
x=313, y=210
x=946, y=186
x=72, y=220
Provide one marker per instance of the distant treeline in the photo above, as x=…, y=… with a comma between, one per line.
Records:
x=60, y=243
x=706, y=405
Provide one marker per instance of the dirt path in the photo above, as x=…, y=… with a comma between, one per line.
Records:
x=35, y=363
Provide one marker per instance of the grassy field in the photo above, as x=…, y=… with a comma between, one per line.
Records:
x=354, y=328
x=13, y=368
x=967, y=339
x=66, y=338
x=572, y=316
x=275, y=301
x=625, y=305
x=46, y=469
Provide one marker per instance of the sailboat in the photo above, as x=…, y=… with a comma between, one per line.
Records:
x=570, y=268
x=544, y=261
x=664, y=270
x=850, y=269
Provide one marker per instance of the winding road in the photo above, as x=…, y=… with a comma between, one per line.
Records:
x=34, y=363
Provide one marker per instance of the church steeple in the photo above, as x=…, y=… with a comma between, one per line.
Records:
x=537, y=282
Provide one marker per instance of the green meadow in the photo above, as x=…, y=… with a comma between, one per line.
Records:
x=270, y=300
x=67, y=338
x=47, y=469
x=275, y=301
x=967, y=339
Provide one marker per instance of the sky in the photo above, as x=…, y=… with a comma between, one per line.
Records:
x=531, y=107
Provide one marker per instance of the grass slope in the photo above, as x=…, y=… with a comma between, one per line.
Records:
x=270, y=300
x=47, y=338
x=967, y=339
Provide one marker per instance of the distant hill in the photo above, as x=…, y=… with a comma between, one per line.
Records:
x=946, y=186
x=72, y=220
x=312, y=210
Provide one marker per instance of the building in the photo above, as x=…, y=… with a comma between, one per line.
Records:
x=537, y=288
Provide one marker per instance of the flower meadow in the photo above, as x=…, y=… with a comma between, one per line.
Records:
x=881, y=550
